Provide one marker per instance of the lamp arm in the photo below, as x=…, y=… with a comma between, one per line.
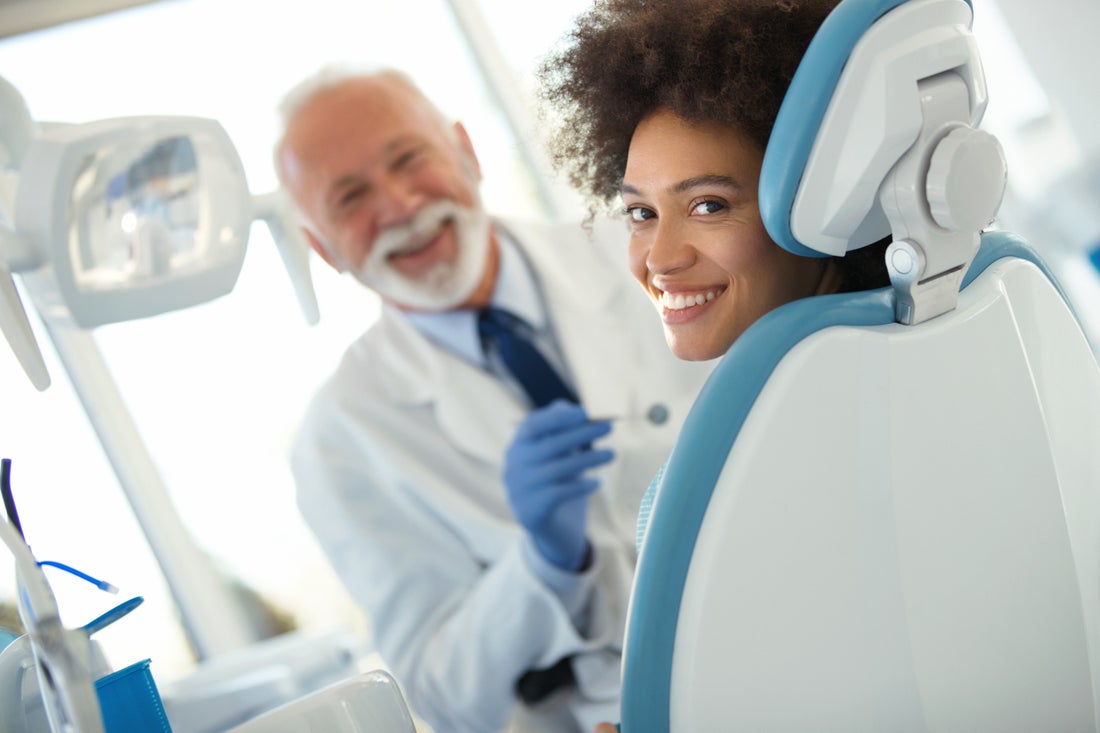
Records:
x=273, y=209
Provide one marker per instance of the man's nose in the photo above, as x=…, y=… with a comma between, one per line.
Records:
x=396, y=202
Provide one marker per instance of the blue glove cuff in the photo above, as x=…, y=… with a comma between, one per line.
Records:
x=573, y=560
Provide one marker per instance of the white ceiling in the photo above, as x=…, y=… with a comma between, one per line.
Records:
x=24, y=16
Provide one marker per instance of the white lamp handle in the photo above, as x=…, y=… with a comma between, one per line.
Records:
x=17, y=330
x=274, y=210
x=16, y=132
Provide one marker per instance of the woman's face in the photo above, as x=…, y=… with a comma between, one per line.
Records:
x=697, y=245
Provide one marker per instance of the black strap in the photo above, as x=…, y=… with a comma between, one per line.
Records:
x=537, y=684
x=9, y=499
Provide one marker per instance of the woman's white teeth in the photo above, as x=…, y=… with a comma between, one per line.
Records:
x=679, y=301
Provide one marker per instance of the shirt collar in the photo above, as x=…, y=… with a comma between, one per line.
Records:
x=516, y=291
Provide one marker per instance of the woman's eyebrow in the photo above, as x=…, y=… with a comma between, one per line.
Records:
x=710, y=179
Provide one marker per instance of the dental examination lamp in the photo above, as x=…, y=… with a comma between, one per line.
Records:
x=125, y=218
x=121, y=219
x=883, y=510
x=111, y=221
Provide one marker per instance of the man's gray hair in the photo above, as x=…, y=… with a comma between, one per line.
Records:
x=330, y=77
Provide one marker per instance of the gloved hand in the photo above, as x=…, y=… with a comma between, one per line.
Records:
x=544, y=471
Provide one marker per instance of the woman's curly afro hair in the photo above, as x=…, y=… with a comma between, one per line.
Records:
x=725, y=61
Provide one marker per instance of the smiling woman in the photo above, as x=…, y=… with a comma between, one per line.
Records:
x=675, y=121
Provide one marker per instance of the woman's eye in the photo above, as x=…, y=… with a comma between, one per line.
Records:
x=638, y=213
x=707, y=207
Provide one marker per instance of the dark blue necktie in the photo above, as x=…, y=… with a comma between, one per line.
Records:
x=503, y=332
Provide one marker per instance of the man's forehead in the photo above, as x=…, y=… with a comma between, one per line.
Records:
x=388, y=95
x=347, y=124
x=346, y=131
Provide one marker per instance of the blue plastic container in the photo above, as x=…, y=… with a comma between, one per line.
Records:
x=130, y=702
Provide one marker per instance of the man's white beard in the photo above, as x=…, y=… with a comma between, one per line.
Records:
x=448, y=284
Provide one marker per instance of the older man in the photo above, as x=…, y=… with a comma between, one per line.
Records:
x=481, y=518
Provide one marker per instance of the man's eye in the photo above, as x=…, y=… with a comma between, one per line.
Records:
x=638, y=213
x=349, y=197
x=407, y=157
x=707, y=207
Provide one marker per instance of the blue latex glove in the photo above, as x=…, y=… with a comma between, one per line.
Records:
x=544, y=471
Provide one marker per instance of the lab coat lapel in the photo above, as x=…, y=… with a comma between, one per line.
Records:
x=472, y=410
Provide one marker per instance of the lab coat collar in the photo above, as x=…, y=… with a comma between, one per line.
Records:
x=580, y=279
x=517, y=290
x=558, y=266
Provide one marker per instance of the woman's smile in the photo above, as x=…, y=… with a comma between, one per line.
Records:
x=686, y=305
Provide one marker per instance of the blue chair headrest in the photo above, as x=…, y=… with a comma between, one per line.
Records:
x=799, y=122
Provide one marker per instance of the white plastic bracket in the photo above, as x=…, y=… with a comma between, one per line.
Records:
x=937, y=198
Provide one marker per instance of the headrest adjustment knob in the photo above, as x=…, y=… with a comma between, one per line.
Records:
x=966, y=179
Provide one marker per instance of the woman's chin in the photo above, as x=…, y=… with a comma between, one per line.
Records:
x=687, y=349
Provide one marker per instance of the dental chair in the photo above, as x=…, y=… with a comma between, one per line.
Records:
x=883, y=511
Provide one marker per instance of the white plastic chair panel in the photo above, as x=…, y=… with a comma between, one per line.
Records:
x=905, y=535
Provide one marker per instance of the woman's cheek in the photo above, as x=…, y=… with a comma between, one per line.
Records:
x=636, y=261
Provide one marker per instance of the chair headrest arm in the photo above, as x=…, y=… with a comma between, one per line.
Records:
x=937, y=199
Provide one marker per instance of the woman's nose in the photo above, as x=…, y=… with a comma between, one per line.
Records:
x=670, y=249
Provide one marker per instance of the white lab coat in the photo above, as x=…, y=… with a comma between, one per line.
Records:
x=398, y=465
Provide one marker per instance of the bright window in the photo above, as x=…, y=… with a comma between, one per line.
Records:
x=216, y=390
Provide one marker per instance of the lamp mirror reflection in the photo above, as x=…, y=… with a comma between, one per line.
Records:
x=141, y=223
